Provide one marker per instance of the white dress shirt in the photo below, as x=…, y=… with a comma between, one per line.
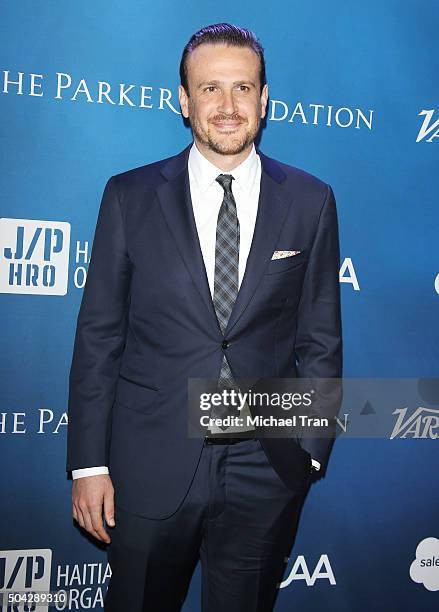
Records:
x=207, y=196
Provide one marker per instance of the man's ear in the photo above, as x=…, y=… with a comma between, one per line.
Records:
x=264, y=100
x=184, y=102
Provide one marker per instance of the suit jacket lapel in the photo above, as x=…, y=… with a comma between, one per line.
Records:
x=272, y=209
x=175, y=200
x=174, y=197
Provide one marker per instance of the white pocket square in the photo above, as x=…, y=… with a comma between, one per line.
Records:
x=283, y=254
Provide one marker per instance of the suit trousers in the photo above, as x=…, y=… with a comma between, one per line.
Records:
x=238, y=518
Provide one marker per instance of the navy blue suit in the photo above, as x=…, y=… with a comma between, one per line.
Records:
x=147, y=323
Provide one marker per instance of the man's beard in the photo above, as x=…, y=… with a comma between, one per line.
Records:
x=231, y=144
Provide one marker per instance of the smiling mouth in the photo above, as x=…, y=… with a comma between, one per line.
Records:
x=227, y=124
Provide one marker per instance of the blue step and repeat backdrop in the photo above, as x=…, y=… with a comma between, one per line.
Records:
x=89, y=89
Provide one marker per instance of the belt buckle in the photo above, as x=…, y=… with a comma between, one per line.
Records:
x=226, y=439
x=208, y=440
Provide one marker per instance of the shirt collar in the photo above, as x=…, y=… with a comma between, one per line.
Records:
x=204, y=172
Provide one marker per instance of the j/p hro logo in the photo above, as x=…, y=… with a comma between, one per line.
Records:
x=34, y=256
x=24, y=570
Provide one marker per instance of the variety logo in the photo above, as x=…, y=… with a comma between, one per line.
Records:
x=425, y=568
x=24, y=570
x=301, y=571
x=423, y=423
x=34, y=256
x=428, y=128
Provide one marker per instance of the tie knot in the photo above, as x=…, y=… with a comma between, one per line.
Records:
x=225, y=180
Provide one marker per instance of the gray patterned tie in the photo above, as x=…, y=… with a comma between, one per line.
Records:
x=226, y=276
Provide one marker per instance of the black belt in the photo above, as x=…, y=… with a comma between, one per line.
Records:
x=227, y=440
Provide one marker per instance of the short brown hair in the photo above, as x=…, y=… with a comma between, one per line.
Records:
x=222, y=33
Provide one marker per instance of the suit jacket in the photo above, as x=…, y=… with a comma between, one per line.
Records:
x=147, y=324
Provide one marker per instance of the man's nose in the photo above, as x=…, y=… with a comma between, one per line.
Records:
x=227, y=103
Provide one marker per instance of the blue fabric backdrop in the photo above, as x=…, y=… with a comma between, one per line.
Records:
x=354, y=93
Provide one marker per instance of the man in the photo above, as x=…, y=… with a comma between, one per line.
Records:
x=217, y=263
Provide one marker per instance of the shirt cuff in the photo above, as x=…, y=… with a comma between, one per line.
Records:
x=93, y=471
x=316, y=465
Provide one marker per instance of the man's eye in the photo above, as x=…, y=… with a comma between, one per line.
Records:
x=243, y=87
x=210, y=88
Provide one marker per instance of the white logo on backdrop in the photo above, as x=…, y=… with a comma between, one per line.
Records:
x=423, y=423
x=34, y=256
x=316, y=114
x=25, y=570
x=84, y=585
x=428, y=128
x=425, y=568
x=63, y=86
x=79, y=587
x=41, y=421
x=348, y=274
x=301, y=571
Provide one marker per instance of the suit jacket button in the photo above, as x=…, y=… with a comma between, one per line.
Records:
x=225, y=344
